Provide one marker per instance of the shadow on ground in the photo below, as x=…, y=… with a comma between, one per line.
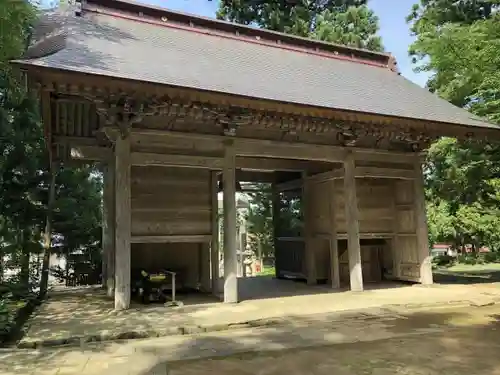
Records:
x=444, y=276
x=86, y=313
x=71, y=315
x=453, y=342
x=265, y=287
x=421, y=343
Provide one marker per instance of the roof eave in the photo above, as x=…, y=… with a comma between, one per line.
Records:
x=490, y=131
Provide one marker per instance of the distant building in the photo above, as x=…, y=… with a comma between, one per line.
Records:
x=440, y=249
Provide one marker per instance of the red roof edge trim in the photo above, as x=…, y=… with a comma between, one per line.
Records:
x=391, y=63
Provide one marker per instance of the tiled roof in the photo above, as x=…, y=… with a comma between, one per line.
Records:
x=108, y=45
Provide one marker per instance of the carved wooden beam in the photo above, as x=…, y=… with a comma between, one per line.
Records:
x=123, y=109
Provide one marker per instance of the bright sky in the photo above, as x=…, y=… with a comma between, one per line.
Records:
x=393, y=27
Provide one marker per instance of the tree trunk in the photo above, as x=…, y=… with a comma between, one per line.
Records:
x=1, y=266
x=25, y=269
x=25, y=260
x=47, y=243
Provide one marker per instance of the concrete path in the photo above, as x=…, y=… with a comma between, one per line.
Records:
x=87, y=315
x=458, y=341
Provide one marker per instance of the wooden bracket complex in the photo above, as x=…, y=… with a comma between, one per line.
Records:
x=122, y=113
x=123, y=109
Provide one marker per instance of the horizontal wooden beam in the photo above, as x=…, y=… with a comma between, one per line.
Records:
x=167, y=160
x=289, y=185
x=172, y=239
x=253, y=166
x=253, y=176
x=279, y=149
x=74, y=141
x=258, y=154
x=326, y=176
x=365, y=172
x=340, y=236
x=285, y=150
x=269, y=164
x=378, y=172
x=384, y=156
x=362, y=235
x=252, y=147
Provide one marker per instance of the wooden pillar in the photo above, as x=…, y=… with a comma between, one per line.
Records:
x=352, y=224
x=123, y=223
x=205, y=282
x=276, y=207
x=47, y=235
x=104, y=252
x=108, y=227
x=424, y=255
x=310, y=255
x=395, y=242
x=229, y=213
x=214, y=245
x=334, y=251
x=104, y=257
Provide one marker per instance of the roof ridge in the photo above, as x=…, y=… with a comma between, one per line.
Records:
x=210, y=26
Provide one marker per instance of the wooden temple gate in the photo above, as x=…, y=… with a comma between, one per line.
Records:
x=146, y=106
x=161, y=191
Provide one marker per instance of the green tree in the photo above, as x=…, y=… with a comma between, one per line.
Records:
x=457, y=42
x=260, y=220
x=348, y=22
x=441, y=223
x=461, y=52
x=24, y=177
x=357, y=26
x=21, y=143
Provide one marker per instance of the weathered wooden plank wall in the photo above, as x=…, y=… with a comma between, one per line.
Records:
x=375, y=198
x=371, y=262
x=407, y=265
x=386, y=210
x=170, y=201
